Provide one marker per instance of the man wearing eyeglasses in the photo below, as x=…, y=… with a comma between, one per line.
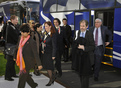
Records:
x=99, y=33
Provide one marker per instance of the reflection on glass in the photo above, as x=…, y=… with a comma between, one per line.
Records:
x=33, y=11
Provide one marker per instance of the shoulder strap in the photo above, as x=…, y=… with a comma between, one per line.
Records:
x=6, y=33
x=77, y=34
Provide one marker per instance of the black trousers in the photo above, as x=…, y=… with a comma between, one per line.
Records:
x=98, y=54
x=26, y=77
x=10, y=67
x=58, y=62
x=84, y=81
x=65, y=54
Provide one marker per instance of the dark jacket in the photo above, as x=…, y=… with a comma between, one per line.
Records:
x=51, y=45
x=84, y=58
x=30, y=54
x=4, y=30
x=61, y=39
x=35, y=35
x=68, y=33
x=12, y=34
x=104, y=32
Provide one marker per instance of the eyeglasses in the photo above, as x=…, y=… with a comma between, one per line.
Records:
x=33, y=23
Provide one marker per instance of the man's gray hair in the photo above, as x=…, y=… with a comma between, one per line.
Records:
x=98, y=19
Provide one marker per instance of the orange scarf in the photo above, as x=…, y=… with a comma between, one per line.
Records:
x=20, y=61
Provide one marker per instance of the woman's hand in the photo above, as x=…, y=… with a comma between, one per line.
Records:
x=53, y=58
x=40, y=67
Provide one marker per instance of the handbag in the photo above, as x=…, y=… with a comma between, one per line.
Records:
x=10, y=49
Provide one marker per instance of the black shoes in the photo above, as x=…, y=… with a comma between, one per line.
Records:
x=15, y=76
x=53, y=78
x=95, y=78
x=65, y=60
x=58, y=74
x=9, y=79
x=37, y=73
x=35, y=85
x=50, y=83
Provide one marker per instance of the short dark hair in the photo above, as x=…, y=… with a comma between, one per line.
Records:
x=25, y=28
x=37, y=26
x=57, y=20
x=13, y=17
x=64, y=19
x=86, y=22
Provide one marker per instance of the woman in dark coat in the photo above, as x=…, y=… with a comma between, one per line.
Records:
x=49, y=51
x=38, y=39
x=25, y=57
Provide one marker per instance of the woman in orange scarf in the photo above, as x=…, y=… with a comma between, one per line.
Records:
x=25, y=56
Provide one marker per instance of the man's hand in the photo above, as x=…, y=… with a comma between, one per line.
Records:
x=107, y=43
x=81, y=47
x=39, y=67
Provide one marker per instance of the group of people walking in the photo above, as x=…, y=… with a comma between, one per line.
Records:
x=34, y=49
x=37, y=49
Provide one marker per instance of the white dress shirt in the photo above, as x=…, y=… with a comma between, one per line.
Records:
x=100, y=42
x=82, y=34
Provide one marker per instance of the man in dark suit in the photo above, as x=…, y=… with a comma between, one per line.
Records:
x=68, y=33
x=12, y=35
x=61, y=40
x=84, y=47
x=99, y=33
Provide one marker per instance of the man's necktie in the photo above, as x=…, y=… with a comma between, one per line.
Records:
x=96, y=37
x=83, y=35
x=59, y=30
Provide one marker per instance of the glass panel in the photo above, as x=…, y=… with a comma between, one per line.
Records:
x=79, y=16
x=118, y=3
x=33, y=11
x=5, y=11
x=89, y=4
x=65, y=5
x=14, y=10
x=49, y=5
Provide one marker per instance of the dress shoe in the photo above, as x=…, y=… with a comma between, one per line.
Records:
x=59, y=75
x=96, y=78
x=65, y=60
x=50, y=83
x=15, y=76
x=37, y=73
x=9, y=79
x=35, y=85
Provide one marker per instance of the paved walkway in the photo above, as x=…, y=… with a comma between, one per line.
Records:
x=110, y=77
x=41, y=80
